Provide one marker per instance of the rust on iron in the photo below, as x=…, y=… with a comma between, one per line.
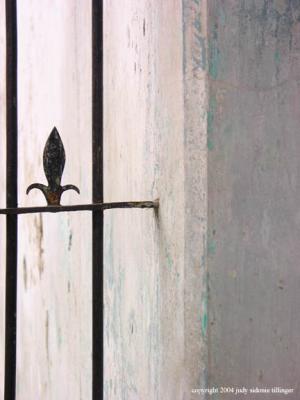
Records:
x=80, y=207
x=54, y=159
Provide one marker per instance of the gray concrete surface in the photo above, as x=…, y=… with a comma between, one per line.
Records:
x=253, y=194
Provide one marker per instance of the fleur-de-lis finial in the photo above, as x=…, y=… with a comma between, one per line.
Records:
x=54, y=159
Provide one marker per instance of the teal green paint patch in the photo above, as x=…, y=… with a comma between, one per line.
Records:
x=204, y=324
x=277, y=57
x=210, y=144
x=212, y=107
x=214, y=61
x=210, y=120
x=211, y=246
x=169, y=260
x=203, y=257
x=204, y=317
x=214, y=52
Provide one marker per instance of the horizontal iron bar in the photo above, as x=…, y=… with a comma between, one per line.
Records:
x=80, y=207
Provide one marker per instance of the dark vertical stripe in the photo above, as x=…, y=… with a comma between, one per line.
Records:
x=11, y=200
x=97, y=127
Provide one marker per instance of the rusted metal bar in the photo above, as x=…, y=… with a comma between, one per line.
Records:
x=79, y=207
x=11, y=201
x=97, y=184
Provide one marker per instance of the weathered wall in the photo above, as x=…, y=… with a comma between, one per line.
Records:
x=189, y=127
x=54, y=288
x=253, y=194
x=155, y=129
x=153, y=148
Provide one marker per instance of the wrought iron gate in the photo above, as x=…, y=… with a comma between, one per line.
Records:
x=54, y=160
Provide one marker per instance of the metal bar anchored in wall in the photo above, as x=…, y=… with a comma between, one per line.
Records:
x=97, y=185
x=11, y=201
x=54, y=161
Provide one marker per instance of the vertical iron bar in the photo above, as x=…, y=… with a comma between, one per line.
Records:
x=11, y=201
x=97, y=137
